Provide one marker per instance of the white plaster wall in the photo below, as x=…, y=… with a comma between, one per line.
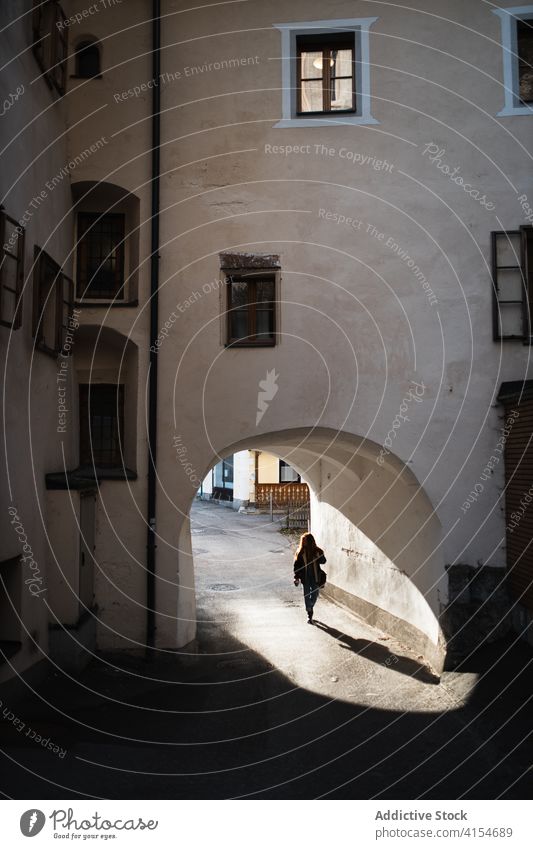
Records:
x=242, y=469
x=207, y=484
x=357, y=565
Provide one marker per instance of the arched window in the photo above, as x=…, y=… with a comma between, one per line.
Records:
x=88, y=59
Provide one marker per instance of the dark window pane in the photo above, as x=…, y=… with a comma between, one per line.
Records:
x=101, y=424
x=88, y=60
x=100, y=266
x=264, y=322
x=9, y=274
x=8, y=301
x=239, y=324
x=525, y=60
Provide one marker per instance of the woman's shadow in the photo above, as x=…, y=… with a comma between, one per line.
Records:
x=381, y=654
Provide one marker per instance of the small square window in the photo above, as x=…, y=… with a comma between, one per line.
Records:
x=251, y=309
x=11, y=272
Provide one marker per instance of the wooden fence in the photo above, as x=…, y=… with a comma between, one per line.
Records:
x=282, y=494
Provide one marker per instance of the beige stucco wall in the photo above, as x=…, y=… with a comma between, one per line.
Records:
x=268, y=468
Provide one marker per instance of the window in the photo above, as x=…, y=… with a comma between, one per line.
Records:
x=525, y=60
x=326, y=74
x=222, y=480
x=512, y=276
x=53, y=303
x=100, y=256
x=287, y=474
x=101, y=425
x=11, y=271
x=50, y=42
x=325, y=68
x=517, y=46
x=88, y=59
x=251, y=309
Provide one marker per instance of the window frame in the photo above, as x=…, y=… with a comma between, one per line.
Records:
x=356, y=28
x=16, y=322
x=83, y=45
x=87, y=392
x=251, y=277
x=55, y=73
x=41, y=259
x=97, y=217
x=525, y=233
x=298, y=478
x=509, y=19
x=325, y=44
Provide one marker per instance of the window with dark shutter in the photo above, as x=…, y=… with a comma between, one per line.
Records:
x=52, y=304
x=50, y=42
x=11, y=272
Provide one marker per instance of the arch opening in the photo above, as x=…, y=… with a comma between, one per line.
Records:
x=376, y=524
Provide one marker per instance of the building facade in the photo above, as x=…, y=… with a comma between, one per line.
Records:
x=254, y=228
x=250, y=478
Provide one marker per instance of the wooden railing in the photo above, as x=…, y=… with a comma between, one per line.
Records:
x=282, y=494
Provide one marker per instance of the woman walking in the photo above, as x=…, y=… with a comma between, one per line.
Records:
x=307, y=562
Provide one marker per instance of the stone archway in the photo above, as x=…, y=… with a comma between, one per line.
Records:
x=377, y=525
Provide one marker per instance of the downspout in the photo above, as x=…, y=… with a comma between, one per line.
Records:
x=154, y=324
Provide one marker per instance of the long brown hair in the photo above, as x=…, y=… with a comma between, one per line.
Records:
x=307, y=548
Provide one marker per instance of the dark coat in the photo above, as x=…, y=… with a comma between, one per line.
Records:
x=300, y=568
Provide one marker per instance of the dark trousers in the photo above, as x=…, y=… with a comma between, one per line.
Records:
x=311, y=590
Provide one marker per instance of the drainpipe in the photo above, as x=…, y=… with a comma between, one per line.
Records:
x=154, y=329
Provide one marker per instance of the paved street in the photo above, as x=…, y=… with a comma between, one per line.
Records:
x=272, y=707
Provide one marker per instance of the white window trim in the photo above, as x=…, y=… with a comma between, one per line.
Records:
x=508, y=19
x=360, y=28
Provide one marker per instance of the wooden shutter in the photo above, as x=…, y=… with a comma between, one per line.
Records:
x=527, y=265
x=519, y=482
